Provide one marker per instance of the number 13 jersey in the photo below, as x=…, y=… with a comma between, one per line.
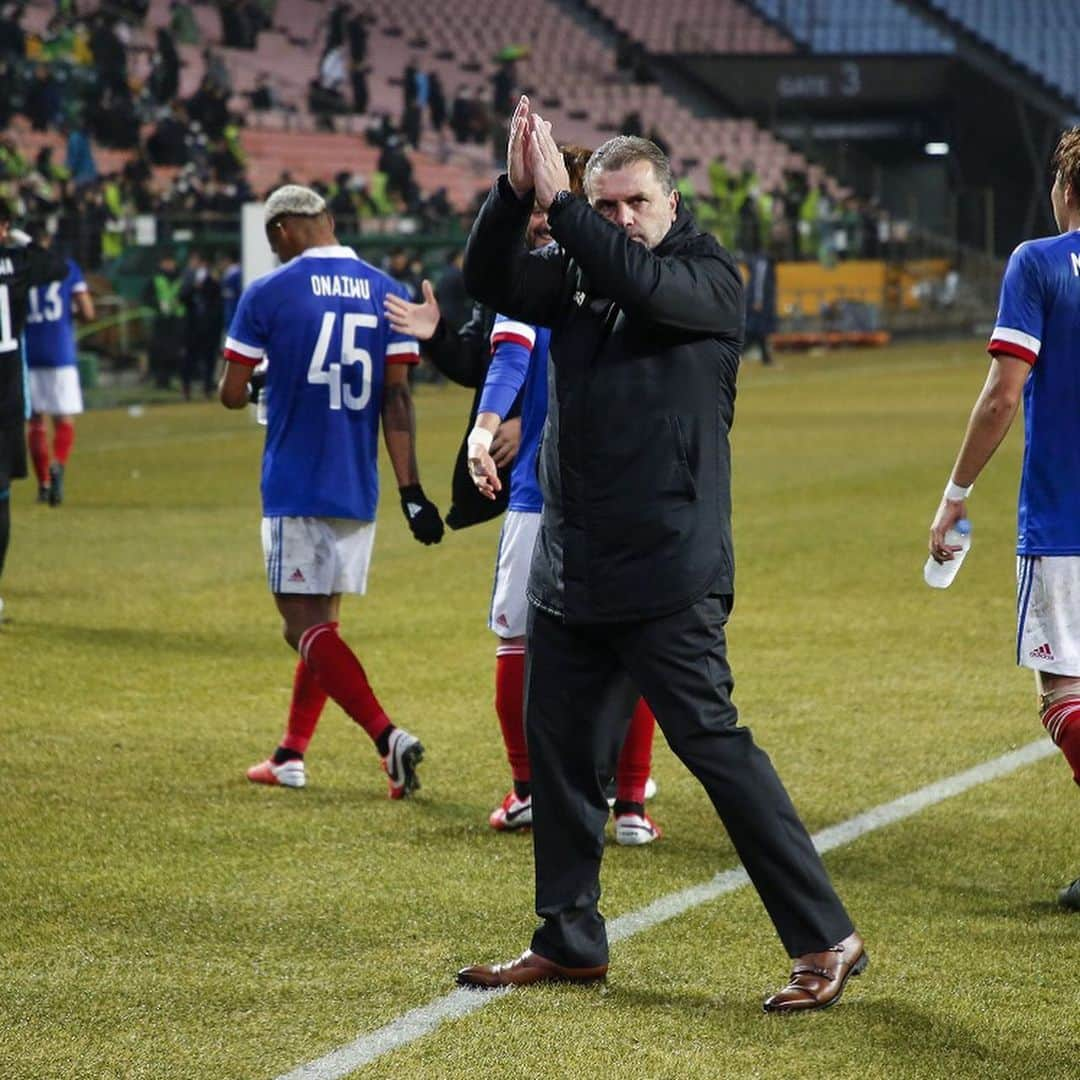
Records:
x=318, y=321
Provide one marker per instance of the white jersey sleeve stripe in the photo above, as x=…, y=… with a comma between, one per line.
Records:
x=400, y=347
x=1016, y=337
x=250, y=351
x=509, y=326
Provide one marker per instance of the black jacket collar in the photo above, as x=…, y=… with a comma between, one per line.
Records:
x=682, y=229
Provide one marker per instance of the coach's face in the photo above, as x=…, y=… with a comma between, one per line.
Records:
x=634, y=199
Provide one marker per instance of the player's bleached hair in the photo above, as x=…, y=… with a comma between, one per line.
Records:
x=1066, y=159
x=625, y=150
x=293, y=200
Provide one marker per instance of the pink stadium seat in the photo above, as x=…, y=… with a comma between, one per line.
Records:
x=459, y=40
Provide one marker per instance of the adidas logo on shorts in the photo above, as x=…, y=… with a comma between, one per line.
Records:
x=297, y=575
x=1043, y=652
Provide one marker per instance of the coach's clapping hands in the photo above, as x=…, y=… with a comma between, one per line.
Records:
x=533, y=159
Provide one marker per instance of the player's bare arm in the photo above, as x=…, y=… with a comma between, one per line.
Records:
x=416, y=320
x=399, y=434
x=399, y=425
x=993, y=414
x=83, y=304
x=233, y=390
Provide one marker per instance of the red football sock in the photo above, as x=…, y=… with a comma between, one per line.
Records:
x=63, y=438
x=340, y=674
x=635, y=760
x=1062, y=721
x=510, y=708
x=308, y=699
x=38, y=442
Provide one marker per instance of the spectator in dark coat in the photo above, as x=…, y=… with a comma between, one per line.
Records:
x=436, y=102
x=164, y=80
x=110, y=56
x=760, y=304
x=168, y=143
x=201, y=296
x=12, y=37
x=209, y=106
x=42, y=99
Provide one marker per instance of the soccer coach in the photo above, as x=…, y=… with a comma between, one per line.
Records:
x=632, y=577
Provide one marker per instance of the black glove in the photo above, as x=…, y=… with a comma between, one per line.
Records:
x=421, y=514
x=255, y=385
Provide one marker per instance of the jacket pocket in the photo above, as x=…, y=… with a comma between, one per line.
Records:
x=682, y=457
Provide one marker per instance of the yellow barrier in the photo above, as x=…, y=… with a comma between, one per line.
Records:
x=806, y=287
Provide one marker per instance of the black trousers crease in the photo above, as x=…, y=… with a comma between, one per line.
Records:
x=581, y=682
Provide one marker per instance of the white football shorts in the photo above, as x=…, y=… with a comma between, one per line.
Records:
x=317, y=556
x=509, y=605
x=1048, y=613
x=56, y=391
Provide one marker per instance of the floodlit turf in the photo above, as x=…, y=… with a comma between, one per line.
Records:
x=164, y=918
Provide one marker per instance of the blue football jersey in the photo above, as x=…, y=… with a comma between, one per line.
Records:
x=50, y=321
x=520, y=356
x=1039, y=322
x=318, y=321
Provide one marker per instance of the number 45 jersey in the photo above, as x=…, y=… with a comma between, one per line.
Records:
x=318, y=321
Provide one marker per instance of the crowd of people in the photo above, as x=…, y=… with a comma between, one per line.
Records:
x=798, y=220
x=79, y=78
x=186, y=160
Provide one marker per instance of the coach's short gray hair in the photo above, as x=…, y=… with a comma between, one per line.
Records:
x=624, y=150
x=293, y=199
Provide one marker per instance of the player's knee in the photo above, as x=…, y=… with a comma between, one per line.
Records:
x=292, y=633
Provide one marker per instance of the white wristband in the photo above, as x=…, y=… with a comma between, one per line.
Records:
x=482, y=436
x=18, y=237
x=955, y=493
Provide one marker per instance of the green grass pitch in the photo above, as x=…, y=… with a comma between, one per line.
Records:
x=164, y=918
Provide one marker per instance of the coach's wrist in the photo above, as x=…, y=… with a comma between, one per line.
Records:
x=955, y=492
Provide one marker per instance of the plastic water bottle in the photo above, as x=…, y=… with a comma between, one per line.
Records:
x=940, y=575
x=264, y=394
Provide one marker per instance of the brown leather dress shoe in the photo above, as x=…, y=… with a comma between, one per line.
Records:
x=818, y=979
x=527, y=969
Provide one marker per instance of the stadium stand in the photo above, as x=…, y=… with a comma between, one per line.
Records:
x=706, y=26
x=592, y=77
x=573, y=75
x=1019, y=31
x=853, y=26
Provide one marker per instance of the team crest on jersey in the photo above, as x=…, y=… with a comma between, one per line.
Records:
x=579, y=298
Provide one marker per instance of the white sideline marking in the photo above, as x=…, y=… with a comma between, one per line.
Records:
x=422, y=1021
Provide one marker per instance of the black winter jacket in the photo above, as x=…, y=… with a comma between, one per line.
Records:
x=635, y=465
